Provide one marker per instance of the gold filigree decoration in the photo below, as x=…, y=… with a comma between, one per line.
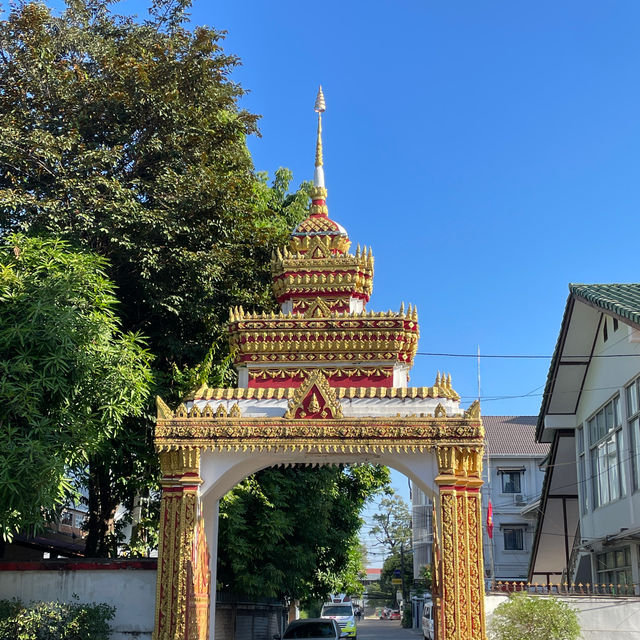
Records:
x=473, y=411
x=440, y=411
x=235, y=411
x=337, y=372
x=286, y=393
x=221, y=411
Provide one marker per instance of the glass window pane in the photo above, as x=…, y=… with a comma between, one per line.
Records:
x=616, y=412
x=600, y=424
x=608, y=417
x=632, y=399
x=620, y=463
x=603, y=479
x=635, y=461
x=594, y=476
x=580, y=441
x=612, y=469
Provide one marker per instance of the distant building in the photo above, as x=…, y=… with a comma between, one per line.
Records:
x=373, y=575
x=61, y=539
x=513, y=483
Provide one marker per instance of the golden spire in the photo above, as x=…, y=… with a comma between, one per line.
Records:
x=318, y=192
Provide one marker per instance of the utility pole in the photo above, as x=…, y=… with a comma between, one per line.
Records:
x=404, y=591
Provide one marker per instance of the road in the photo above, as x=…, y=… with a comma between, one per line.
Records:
x=372, y=629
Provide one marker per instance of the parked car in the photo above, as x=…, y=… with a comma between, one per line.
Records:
x=344, y=614
x=394, y=615
x=312, y=629
x=427, y=620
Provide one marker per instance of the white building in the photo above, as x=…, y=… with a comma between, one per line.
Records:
x=589, y=524
x=513, y=483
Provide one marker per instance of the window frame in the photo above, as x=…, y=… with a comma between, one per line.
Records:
x=511, y=474
x=606, y=440
x=513, y=530
x=632, y=406
x=610, y=573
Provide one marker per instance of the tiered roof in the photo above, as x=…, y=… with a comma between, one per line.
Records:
x=323, y=290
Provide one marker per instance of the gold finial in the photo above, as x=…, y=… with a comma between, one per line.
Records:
x=319, y=192
x=320, y=105
x=319, y=108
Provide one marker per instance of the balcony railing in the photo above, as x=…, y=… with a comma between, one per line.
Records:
x=567, y=588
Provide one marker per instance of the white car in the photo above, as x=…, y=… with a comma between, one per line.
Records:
x=427, y=620
x=344, y=615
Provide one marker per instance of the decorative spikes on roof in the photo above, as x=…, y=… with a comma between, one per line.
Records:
x=238, y=314
x=281, y=255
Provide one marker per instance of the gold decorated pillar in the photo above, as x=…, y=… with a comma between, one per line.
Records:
x=461, y=611
x=181, y=536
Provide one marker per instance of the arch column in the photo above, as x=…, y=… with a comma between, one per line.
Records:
x=183, y=572
x=461, y=615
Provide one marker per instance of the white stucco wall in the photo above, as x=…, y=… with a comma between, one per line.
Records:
x=507, y=564
x=131, y=591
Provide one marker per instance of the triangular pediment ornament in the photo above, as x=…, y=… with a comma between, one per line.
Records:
x=317, y=309
x=318, y=248
x=314, y=399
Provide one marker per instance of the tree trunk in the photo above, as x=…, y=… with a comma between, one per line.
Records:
x=102, y=508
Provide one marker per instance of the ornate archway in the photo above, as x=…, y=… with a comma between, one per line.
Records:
x=322, y=382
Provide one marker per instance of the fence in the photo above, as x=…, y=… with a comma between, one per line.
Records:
x=242, y=618
x=567, y=588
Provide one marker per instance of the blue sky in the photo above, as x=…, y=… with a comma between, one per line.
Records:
x=488, y=151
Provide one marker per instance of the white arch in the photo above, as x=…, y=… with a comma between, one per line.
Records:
x=221, y=471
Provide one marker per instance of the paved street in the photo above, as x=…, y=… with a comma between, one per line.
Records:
x=371, y=629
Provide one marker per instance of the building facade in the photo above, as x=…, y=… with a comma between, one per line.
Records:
x=513, y=484
x=589, y=524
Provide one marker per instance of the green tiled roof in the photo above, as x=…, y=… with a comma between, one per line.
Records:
x=622, y=300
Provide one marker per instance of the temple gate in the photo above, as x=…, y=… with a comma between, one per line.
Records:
x=321, y=382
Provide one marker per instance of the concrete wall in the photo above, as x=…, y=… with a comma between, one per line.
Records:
x=128, y=586
x=600, y=618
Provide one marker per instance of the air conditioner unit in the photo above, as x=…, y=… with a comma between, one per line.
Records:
x=518, y=499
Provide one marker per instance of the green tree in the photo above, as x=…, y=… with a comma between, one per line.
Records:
x=126, y=138
x=295, y=532
x=69, y=376
x=392, y=524
x=524, y=617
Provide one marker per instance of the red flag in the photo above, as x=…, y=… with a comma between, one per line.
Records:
x=490, y=520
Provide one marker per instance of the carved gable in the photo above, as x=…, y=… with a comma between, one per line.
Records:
x=314, y=399
x=317, y=309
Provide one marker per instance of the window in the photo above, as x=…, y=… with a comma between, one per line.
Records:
x=614, y=567
x=582, y=478
x=607, y=444
x=513, y=538
x=511, y=482
x=66, y=518
x=605, y=334
x=633, y=416
x=615, y=324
